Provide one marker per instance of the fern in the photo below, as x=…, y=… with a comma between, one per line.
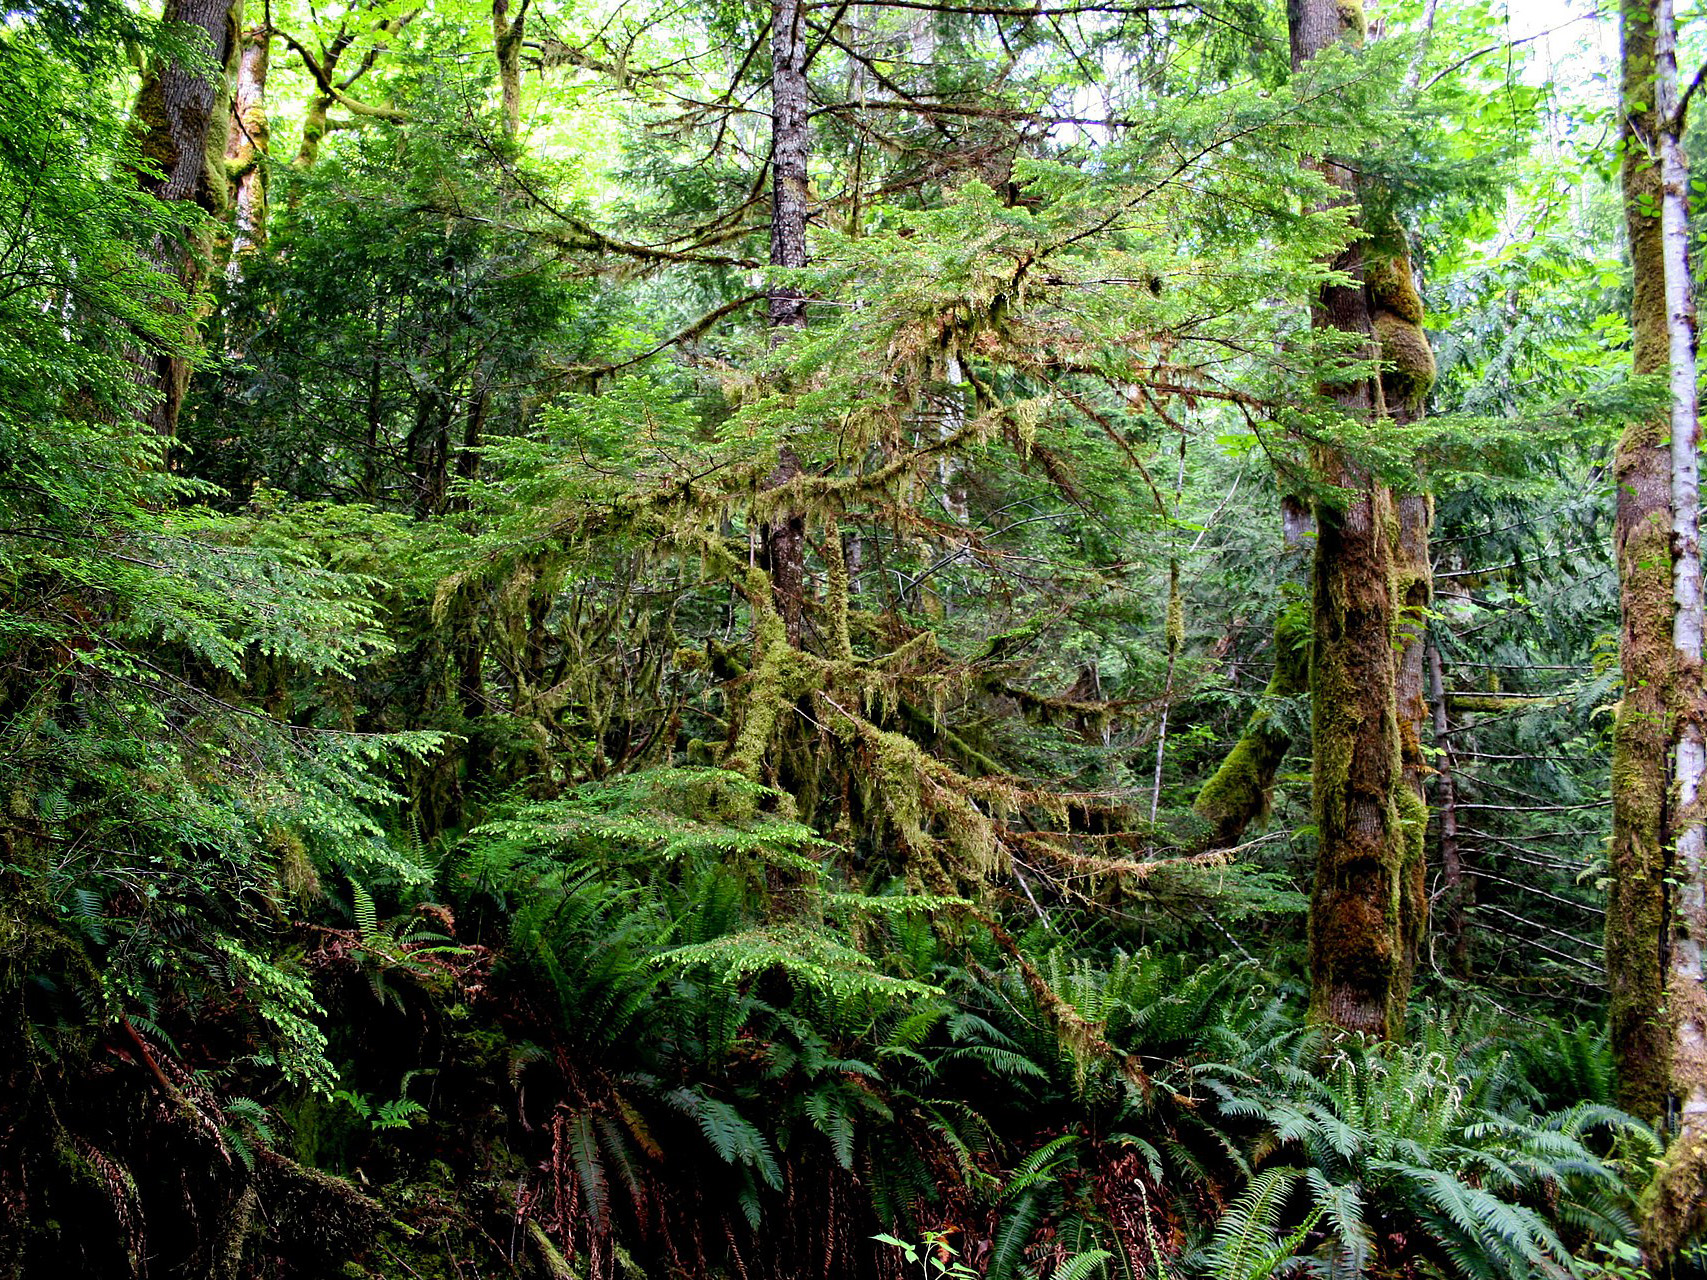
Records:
x=1015, y=1229
x=1244, y=1245
x=1082, y=1266
x=731, y=1135
x=367, y=916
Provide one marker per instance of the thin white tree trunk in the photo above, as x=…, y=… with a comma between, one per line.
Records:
x=1686, y=995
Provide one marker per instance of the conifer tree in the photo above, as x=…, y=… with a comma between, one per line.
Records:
x=1359, y=952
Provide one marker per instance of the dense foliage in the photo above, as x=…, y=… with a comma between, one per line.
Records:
x=544, y=736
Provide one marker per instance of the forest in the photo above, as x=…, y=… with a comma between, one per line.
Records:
x=851, y=640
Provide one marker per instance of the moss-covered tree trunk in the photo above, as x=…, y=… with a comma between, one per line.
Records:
x=1407, y=375
x=180, y=115
x=507, y=36
x=1677, y=1201
x=784, y=535
x=1636, y=907
x=248, y=140
x=1237, y=794
x=1359, y=961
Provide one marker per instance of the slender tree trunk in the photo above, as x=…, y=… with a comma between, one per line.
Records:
x=784, y=537
x=790, y=139
x=1453, y=895
x=1360, y=967
x=1677, y=1202
x=247, y=143
x=372, y=432
x=180, y=114
x=1237, y=794
x=507, y=37
x=315, y=122
x=1636, y=906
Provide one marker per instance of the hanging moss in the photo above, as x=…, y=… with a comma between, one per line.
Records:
x=779, y=675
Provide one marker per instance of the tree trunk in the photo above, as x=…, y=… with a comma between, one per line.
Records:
x=790, y=138
x=1636, y=906
x=1453, y=896
x=1407, y=375
x=1677, y=1202
x=784, y=538
x=247, y=143
x=179, y=111
x=507, y=36
x=1360, y=969
x=1237, y=794
x=179, y=108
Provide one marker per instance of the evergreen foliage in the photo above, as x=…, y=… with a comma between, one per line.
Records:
x=436, y=838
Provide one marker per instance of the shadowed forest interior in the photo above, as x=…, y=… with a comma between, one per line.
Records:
x=851, y=640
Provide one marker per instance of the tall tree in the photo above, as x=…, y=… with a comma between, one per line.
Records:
x=181, y=114
x=1359, y=956
x=1635, y=916
x=1677, y=1202
x=785, y=533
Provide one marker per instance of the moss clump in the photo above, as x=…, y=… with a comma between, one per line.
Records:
x=1354, y=23
x=1674, y=1207
x=1392, y=287
x=1408, y=368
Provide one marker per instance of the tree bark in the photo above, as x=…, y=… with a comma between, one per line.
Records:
x=1677, y=1201
x=1359, y=955
x=784, y=537
x=1636, y=906
x=790, y=139
x=179, y=114
x=247, y=144
x=179, y=108
x=507, y=37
